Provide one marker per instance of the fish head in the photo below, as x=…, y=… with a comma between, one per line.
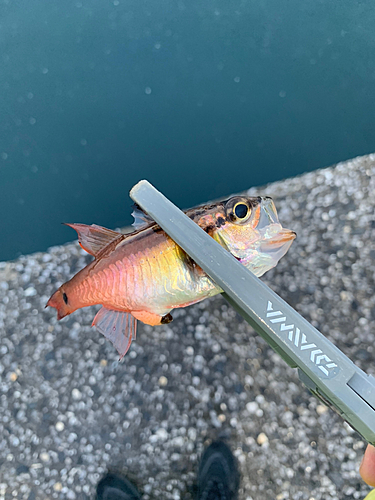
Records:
x=60, y=301
x=249, y=228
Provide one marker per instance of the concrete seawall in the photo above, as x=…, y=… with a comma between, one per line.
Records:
x=69, y=411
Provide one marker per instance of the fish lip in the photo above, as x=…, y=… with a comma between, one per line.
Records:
x=282, y=237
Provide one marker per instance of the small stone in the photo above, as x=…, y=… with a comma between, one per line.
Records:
x=222, y=418
x=13, y=376
x=162, y=434
x=178, y=441
x=163, y=381
x=262, y=439
x=103, y=362
x=44, y=456
x=233, y=422
x=57, y=486
x=76, y=394
x=192, y=433
x=14, y=441
x=321, y=409
x=252, y=407
x=36, y=466
x=59, y=426
x=30, y=291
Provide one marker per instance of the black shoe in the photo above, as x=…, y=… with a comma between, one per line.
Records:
x=218, y=477
x=113, y=487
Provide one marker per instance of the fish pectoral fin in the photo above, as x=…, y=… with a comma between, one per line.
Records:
x=94, y=238
x=118, y=327
x=141, y=220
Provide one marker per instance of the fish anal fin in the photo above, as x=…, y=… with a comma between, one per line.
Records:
x=118, y=327
x=93, y=239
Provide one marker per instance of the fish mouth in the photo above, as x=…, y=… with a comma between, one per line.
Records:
x=280, y=239
x=278, y=245
x=274, y=237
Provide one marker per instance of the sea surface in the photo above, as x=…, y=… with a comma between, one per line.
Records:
x=201, y=97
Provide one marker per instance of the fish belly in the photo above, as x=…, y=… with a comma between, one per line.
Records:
x=156, y=279
x=165, y=279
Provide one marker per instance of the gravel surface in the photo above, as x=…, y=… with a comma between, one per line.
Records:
x=69, y=411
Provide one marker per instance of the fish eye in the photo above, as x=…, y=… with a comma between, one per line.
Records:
x=241, y=210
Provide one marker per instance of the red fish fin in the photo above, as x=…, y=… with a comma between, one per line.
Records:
x=118, y=327
x=141, y=220
x=94, y=238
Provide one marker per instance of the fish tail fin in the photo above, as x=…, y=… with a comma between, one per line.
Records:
x=60, y=302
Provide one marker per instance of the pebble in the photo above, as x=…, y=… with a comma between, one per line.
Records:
x=76, y=394
x=30, y=292
x=59, y=426
x=262, y=439
x=162, y=434
x=252, y=407
x=163, y=381
x=44, y=457
x=58, y=487
x=321, y=409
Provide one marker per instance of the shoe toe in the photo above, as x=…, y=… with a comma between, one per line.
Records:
x=114, y=487
x=218, y=473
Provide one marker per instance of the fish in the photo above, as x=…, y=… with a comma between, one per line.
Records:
x=144, y=275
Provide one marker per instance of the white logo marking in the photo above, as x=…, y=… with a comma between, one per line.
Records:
x=299, y=339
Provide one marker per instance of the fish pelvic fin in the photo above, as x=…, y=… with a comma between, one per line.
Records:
x=118, y=327
x=93, y=239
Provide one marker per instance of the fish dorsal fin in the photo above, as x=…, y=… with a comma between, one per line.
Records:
x=118, y=327
x=94, y=238
x=141, y=220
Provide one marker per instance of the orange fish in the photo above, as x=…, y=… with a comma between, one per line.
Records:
x=145, y=274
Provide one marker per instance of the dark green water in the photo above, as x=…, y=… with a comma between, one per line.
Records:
x=201, y=97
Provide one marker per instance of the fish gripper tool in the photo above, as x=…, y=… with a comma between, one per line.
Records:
x=322, y=367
